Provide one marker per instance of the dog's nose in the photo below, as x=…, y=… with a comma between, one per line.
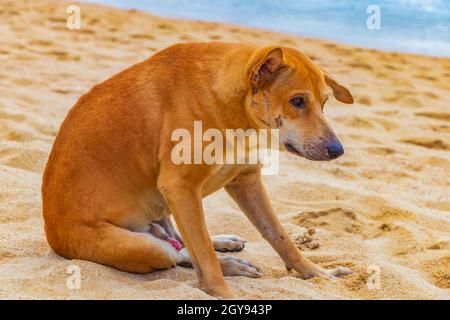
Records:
x=335, y=149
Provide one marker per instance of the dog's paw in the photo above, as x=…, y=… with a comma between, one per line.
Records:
x=326, y=273
x=228, y=243
x=339, y=272
x=184, y=260
x=233, y=266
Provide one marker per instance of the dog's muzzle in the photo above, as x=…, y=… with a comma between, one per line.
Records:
x=317, y=152
x=334, y=150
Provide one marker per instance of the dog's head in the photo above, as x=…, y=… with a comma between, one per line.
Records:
x=288, y=92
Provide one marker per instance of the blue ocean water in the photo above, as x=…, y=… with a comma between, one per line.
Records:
x=416, y=26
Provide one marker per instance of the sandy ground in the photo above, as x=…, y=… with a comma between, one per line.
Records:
x=384, y=206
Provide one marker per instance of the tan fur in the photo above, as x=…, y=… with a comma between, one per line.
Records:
x=110, y=171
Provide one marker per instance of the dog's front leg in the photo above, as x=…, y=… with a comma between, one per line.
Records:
x=185, y=202
x=249, y=193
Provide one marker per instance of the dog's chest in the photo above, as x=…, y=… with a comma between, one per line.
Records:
x=220, y=178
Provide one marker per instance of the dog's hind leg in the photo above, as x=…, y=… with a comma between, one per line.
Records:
x=231, y=266
x=121, y=248
x=228, y=243
x=221, y=243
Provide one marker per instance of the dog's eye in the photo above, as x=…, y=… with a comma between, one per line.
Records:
x=298, y=102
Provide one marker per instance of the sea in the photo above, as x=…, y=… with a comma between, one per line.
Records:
x=413, y=26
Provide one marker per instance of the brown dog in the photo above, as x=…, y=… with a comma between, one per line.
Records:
x=110, y=184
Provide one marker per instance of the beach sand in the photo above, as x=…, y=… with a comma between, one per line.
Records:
x=383, y=209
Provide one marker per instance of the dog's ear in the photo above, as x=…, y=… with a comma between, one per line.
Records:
x=264, y=67
x=340, y=92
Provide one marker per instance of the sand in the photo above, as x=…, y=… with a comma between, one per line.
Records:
x=383, y=207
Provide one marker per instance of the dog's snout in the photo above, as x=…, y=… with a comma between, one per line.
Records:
x=334, y=149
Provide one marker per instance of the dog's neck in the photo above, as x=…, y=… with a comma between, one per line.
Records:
x=231, y=87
